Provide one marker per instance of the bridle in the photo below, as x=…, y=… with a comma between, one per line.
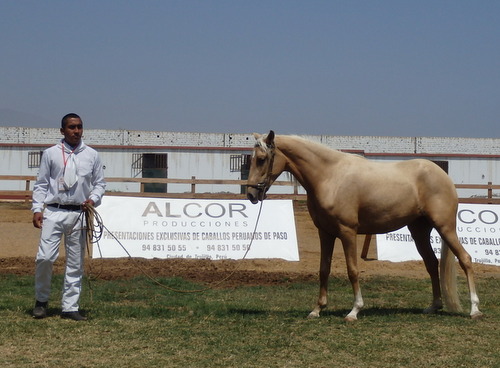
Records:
x=263, y=186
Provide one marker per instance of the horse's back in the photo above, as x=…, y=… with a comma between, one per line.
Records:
x=431, y=179
x=422, y=172
x=435, y=193
x=382, y=196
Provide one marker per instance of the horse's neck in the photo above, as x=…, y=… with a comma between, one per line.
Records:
x=307, y=160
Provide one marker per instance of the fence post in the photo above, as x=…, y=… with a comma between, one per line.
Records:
x=366, y=246
x=27, y=188
x=490, y=191
x=193, y=185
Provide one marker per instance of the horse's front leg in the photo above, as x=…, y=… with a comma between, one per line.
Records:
x=327, y=243
x=351, y=256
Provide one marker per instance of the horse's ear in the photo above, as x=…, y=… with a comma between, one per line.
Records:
x=270, y=138
x=257, y=135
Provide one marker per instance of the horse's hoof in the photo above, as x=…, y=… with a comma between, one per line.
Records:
x=433, y=308
x=430, y=310
x=350, y=319
x=477, y=316
x=313, y=315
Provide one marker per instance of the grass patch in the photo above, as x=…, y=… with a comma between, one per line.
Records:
x=136, y=323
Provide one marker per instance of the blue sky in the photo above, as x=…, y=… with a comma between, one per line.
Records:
x=380, y=68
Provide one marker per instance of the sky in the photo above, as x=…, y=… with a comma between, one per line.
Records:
x=426, y=68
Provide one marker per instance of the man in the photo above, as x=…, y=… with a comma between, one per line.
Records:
x=71, y=178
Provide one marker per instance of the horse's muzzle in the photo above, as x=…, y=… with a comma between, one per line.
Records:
x=256, y=192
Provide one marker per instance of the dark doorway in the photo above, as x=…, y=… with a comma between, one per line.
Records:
x=443, y=165
x=154, y=165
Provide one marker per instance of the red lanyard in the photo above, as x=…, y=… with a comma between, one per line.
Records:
x=64, y=156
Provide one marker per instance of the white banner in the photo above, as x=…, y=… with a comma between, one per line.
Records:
x=478, y=227
x=196, y=228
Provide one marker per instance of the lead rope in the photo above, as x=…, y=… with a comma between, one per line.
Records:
x=93, y=235
x=95, y=227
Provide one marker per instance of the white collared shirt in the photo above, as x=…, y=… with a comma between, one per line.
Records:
x=90, y=185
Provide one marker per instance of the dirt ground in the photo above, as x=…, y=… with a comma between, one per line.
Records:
x=19, y=241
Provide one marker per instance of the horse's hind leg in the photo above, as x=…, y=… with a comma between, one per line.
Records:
x=327, y=244
x=449, y=235
x=421, y=231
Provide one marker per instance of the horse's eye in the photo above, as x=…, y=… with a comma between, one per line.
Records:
x=261, y=161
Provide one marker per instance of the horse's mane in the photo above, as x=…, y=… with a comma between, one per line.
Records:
x=305, y=140
x=313, y=145
x=317, y=148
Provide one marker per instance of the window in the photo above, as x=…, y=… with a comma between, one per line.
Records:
x=240, y=163
x=34, y=159
x=235, y=163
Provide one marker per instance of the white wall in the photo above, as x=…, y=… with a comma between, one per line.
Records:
x=207, y=155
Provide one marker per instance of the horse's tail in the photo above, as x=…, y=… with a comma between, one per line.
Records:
x=448, y=277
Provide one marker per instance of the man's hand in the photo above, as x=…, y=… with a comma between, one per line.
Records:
x=37, y=220
x=88, y=203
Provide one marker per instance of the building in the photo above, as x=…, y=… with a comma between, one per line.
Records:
x=131, y=154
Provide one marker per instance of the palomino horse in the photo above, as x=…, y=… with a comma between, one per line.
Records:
x=349, y=195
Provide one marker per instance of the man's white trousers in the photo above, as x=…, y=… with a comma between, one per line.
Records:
x=56, y=223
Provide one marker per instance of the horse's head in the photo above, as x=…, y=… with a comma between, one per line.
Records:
x=262, y=167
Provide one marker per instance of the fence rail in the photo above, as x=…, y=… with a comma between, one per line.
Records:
x=26, y=193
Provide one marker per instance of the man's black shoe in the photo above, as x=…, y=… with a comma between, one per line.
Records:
x=40, y=310
x=75, y=316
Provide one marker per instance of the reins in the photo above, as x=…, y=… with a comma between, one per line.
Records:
x=95, y=227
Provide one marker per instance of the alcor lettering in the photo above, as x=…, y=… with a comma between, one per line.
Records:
x=193, y=215
x=152, y=208
x=195, y=210
x=488, y=217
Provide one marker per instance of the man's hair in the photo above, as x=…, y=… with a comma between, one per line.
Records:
x=66, y=117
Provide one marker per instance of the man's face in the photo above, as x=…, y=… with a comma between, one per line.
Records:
x=73, y=131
